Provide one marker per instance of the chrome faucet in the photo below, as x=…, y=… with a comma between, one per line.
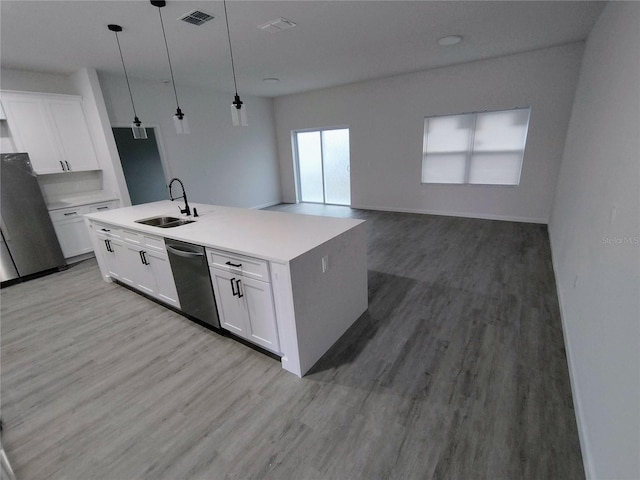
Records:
x=186, y=209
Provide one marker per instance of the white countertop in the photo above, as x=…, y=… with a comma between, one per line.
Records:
x=273, y=236
x=75, y=200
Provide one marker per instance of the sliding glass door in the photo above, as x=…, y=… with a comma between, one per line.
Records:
x=323, y=166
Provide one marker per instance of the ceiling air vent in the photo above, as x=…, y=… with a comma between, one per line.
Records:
x=277, y=25
x=196, y=17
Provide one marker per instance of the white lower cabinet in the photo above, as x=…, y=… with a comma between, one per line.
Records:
x=141, y=265
x=71, y=229
x=114, y=254
x=245, y=307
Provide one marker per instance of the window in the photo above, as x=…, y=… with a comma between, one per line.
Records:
x=475, y=148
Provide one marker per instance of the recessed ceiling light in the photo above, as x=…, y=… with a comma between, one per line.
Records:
x=271, y=80
x=449, y=40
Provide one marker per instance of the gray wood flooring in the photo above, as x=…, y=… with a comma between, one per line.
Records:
x=456, y=371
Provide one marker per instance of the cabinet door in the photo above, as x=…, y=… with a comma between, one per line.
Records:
x=261, y=319
x=161, y=271
x=230, y=307
x=73, y=237
x=72, y=133
x=32, y=133
x=141, y=273
x=115, y=257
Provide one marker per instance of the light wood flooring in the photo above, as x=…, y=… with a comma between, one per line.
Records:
x=456, y=371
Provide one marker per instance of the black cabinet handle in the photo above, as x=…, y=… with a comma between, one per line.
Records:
x=141, y=258
x=233, y=290
x=62, y=165
x=68, y=167
x=105, y=229
x=108, y=245
x=143, y=255
x=238, y=265
x=240, y=295
x=70, y=213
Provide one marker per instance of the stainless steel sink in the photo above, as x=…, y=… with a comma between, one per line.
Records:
x=164, y=222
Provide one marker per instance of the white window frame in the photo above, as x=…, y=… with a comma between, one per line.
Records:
x=469, y=151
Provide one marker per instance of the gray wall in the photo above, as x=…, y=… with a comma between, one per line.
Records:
x=218, y=163
x=594, y=231
x=386, y=119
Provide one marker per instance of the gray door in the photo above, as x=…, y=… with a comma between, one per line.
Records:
x=142, y=166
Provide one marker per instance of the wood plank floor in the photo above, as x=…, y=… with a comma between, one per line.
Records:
x=456, y=371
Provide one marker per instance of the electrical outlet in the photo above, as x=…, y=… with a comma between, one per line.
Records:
x=325, y=263
x=612, y=215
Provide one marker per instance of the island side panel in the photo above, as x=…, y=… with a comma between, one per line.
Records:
x=327, y=304
x=287, y=336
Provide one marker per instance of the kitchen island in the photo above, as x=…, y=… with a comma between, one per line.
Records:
x=310, y=270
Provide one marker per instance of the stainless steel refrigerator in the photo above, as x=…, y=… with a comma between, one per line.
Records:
x=28, y=243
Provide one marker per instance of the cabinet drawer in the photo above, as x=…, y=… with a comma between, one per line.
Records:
x=68, y=213
x=143, y=240
x=153, y=243
x=132, y=236
x=107, y=230
x=101, y=207
x=239, y=264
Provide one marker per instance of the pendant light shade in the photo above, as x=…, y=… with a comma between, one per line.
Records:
x=238, y=109
x=181, y=122
x=238, y=112
x=179, y=118
x=138, y=129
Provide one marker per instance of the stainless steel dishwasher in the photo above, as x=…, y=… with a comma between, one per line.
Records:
x=193, y=283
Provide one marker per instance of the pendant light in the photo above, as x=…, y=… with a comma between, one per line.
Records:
x=179, y=119
x=138, y=129
x=238, y=111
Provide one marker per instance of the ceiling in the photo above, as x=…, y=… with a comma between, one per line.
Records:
x=334, y=42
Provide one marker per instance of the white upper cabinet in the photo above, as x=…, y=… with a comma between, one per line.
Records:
x=72, y=132
x=52, y=129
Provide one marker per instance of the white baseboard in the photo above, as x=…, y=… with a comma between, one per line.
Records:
x=506, y=218
x=575, y=391
x=265, y=205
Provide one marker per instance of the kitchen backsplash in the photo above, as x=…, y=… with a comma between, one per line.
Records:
x=58, y=185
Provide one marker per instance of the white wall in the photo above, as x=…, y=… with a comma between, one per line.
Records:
x=386, y=120
x=218, y=163
x=594, y=231
x=26, y=81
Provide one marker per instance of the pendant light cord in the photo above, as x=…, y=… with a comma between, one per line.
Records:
x=126, y=76
x=233, y=68
x=173, y=82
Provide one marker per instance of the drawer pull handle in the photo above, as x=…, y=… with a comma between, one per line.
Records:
x=70, y=213
x=143, y=257
x=102, y=208
x=236, y=265
x=105, y=229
